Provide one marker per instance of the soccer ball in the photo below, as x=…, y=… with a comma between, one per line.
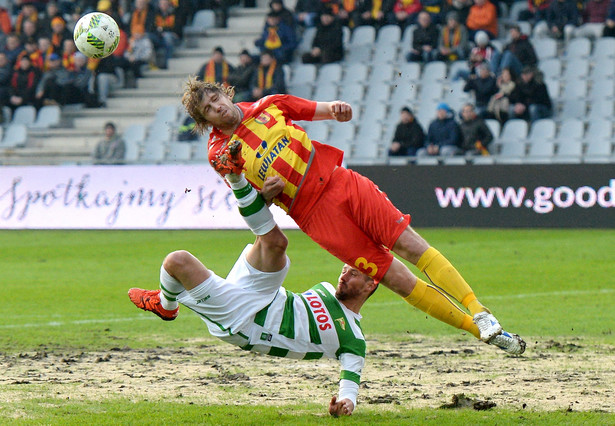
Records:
x=96, y=35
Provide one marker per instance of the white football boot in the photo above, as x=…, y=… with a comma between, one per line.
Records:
x=509, y=342
x=488, y=326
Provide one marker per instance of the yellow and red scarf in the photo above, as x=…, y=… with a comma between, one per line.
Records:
x=265, y=81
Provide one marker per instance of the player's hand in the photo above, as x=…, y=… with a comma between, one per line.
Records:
x=272, y=186
x=341, y=111
x=340, y=408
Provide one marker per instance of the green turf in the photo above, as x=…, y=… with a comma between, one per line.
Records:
x=67, y=290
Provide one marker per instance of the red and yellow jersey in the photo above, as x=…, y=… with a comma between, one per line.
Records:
x=272, y=145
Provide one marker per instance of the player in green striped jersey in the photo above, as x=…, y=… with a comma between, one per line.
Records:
x=251, y=308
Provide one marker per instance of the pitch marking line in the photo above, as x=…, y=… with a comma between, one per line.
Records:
x=77, y=322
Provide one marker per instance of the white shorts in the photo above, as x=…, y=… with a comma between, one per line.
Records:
x=228, y=305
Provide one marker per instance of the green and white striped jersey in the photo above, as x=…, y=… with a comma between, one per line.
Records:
x=310, y=325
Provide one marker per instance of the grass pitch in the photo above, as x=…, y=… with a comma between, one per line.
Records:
x=65, y=291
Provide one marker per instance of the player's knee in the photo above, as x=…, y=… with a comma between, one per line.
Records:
x=177, y=261
x=277, y=242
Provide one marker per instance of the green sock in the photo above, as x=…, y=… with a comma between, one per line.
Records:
x=251, y=205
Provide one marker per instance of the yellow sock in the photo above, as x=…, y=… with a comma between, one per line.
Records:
x=433, y=302
x=444, y=275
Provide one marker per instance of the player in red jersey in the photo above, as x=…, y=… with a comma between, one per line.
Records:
x=344, y=212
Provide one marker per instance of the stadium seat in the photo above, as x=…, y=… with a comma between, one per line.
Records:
x=494, y=126
x=202, y=21
x=167, y=114
x=378, y=93
x=602, y=108
x=454, y=161
x=483, y=160
x=457, y=66
x=352, y=93
x=604, y=47
x=135, y=133
x=25, y=114
x=408, y=73
x=578, y=48
x=432, y=90
x=513, y=149
x=179, y=151
x=434, y=71
x=384, y=55
x=361, y=36
x=303, y=74
x=545, y=48
x=200, y=153
x=571, y=129
x=540, y=152
x=159, y=132
x=553, y=87
x=381, y=73
x=48, y=116
x=514, y=130
x=388, y=35
x=329, y=73
x=576, y=68
x=153, y=153
x=368, y=133
x=301, y=90
x=602, y=89
x=599, y=128
x=598, y=151
x=542, y=130
x=359, y=55
x=568, y=151
x=355, y=73
x=426, y=160
x=14, y=135
x=515, y=9
x=325, y=92
x=305, y=44
x=317, y=130
x=551, y=68
x=341, y=133
x=374, y=112
x=574, y=89
x=603, y=68
x=133, y=150
x=573, y=108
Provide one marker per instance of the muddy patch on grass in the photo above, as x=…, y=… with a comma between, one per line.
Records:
x=455, y=373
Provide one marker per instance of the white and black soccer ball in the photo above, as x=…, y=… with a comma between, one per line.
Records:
x=96, y=35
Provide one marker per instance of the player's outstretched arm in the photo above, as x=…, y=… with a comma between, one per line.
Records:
x=336, y=110
x=342, y=407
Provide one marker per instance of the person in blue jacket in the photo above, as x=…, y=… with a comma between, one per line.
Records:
x=443, y=136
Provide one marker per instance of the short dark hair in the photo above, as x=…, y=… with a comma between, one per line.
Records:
x=110, y=124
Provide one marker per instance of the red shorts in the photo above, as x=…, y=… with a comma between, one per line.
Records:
x=356, y=222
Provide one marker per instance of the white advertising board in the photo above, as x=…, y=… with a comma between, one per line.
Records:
x=119, y=197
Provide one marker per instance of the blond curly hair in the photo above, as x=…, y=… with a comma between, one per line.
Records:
x=192, y=99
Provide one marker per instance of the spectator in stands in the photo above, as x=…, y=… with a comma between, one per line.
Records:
x=142, y=18
x=51, y=11
x=286, y=15
x=562, y=19
x=483, y=86
x=12, y=48
x=68, y=54
x=81, y=87
x=328, y=43
x=483, y=52
x=349, y=12
x=166, y=31
x=268, y=78
x=518, y=53
x=609, y=25
x=6, y=72
x=475, y=134
x=435, y=9
x=462, y=7
x=6, y=24
x=23, y=84
x=108, y=77
x=52, y=85
x=59, y=33
x=453, y=42
x=443, y=135
x=111, y=149
x=424, y=41
x=186, y=132
x=594, y=16
x=536, y=12
x=483, y=17
x=499, y=103
x=217, y=69
x=30, y=30
x=278, y=38
x=240, y=78
x=31, y=49
x=46, y=49
x=306, y=13
x=28, y=13
x=409, y=135
x=140, y=52
x=405, y=12
x=220, y=8
x=374, y=12
x=530, y=99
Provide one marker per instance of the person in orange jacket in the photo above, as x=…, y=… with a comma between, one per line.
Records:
x=483, y=16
